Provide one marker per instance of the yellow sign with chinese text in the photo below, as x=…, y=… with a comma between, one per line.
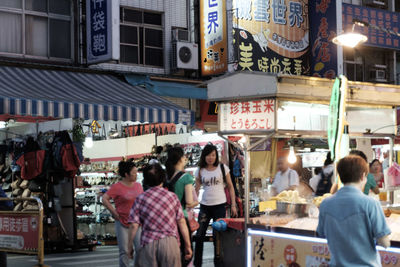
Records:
x=213, y=37
x=271, y=36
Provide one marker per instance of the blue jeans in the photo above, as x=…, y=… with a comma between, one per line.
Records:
x=206, y=214
x=122, y=233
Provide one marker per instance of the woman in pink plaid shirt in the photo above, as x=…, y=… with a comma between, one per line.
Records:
x=160, y=214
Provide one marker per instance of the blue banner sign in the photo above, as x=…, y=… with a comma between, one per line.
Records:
x=98, y=27
x=323, y=30
x=378, y=17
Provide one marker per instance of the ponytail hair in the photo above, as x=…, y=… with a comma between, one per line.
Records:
x=174, y=156
x=125, y=167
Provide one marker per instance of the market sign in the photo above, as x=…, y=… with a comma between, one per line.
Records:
x=271, y=36
x=213, y=37
x=323, y=51
x=19, y=232
x=378, y=17
x=336, y=117
x=102, y=26
x=247, y=115
x=333, y=117
x=274, y=249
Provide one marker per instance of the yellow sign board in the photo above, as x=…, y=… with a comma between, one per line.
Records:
x=213, y=37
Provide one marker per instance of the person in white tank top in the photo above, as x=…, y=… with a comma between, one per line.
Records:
x=213, y=201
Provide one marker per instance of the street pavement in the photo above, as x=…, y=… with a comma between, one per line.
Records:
x=103, y=256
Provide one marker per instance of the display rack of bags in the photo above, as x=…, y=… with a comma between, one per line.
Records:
x=43, y=166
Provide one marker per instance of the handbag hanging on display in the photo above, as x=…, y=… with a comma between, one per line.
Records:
x=239, y=203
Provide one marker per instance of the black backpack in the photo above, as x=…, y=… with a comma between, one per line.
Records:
x=325, y=184
x=170, y=185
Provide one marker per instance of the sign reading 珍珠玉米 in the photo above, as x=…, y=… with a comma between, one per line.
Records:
x=247, y=115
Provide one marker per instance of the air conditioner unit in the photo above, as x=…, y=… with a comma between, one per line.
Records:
x=185, y=56
x=376, y=3
x=377, y=73
x=179, y=35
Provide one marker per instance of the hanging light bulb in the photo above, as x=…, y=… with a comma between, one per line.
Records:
x=88, y=142
x=89, y=139
x=292, y=156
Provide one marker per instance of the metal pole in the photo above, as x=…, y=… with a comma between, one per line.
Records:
x=246, y=191
x=41, y=240
x=391, y=143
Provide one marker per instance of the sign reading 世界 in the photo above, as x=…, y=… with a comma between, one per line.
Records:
x=213, y=38
x=272, y=36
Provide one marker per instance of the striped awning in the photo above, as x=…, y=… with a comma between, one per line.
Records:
x=68, y=94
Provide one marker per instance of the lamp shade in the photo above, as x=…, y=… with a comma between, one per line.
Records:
x=350, y=39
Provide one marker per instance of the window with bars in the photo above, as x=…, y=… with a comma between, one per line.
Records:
x=141, y=37
x=36, y=28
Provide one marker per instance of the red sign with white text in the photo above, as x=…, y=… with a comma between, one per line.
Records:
x=247, y=115
x=19, y=232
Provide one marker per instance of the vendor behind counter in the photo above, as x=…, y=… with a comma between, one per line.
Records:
x=285, y=178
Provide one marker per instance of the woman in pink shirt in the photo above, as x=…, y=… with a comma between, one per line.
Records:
x=124, y=194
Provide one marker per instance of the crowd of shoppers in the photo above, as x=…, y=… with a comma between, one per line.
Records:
x=152, y=226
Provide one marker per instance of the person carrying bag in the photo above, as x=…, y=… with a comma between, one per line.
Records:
x=181, y=183
x=213, y=202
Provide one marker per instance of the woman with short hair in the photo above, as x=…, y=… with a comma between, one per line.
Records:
x=160, y=214
x=124, y=194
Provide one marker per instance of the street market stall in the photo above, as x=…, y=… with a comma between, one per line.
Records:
x=45, y=107
x=266, y=106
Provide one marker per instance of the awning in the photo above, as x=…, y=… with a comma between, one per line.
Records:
x=163, y=88
x=67, y=94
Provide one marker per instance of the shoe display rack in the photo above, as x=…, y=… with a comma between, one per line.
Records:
x=94, y=221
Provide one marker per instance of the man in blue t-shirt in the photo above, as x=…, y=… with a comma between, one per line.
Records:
x=352, y=222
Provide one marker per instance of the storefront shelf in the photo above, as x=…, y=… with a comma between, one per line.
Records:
x=83, y=213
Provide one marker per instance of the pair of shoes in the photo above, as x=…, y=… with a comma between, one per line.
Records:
x=31, y=207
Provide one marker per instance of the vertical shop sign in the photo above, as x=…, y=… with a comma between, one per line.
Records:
x=98, y=31
x=333, y=117
x=247, y=115
x=214, y=58
x=323, y=30
x=271, y=36
x=378, y=17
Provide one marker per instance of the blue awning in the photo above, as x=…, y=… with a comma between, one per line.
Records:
x=67, y=94
x=172, y=89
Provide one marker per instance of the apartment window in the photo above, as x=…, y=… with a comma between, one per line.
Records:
x=141, y=37
x=353, y=65
x=36, y=28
